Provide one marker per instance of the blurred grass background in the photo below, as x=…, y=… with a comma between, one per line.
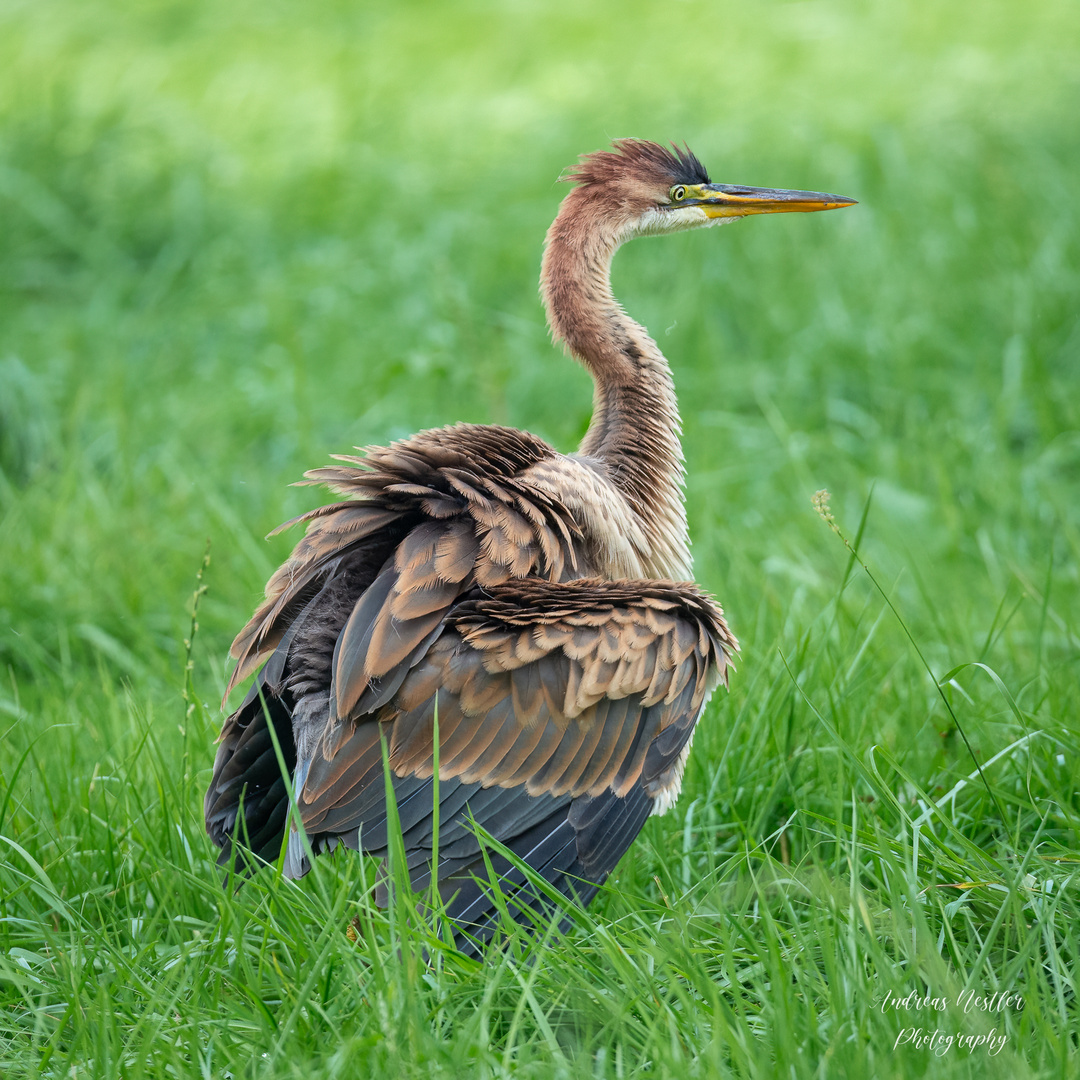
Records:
x=238, y=237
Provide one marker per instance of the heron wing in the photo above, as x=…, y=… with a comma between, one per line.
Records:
x=572, y=688
x=564, y=711
x=451, y=582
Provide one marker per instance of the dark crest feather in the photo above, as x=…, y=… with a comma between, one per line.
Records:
x=642, y=159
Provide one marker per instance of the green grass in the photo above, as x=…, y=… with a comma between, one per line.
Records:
x=236, y=238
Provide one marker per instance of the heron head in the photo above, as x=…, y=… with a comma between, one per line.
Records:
x=642, y=188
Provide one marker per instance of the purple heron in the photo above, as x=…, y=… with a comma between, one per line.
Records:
x=538, y=603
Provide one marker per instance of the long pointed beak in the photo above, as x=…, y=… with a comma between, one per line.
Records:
x=730, y=200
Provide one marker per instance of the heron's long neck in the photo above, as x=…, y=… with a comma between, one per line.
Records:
x=635, y=424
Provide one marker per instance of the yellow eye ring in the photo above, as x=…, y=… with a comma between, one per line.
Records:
x=677, y=193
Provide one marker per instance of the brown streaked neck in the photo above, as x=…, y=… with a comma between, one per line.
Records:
x=635, y=424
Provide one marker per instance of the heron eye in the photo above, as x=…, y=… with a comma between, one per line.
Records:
x=678, y=193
